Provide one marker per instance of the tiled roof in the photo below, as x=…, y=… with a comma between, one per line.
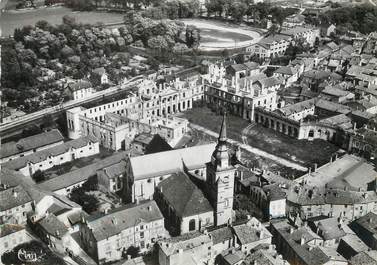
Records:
x=42, y=155
x=221, y=234
x=251, y=232
x=368, y=222
x=286, y=70
x=30, y=143
x=12, y=178
x=185, y=242
x=364, y=258
x=298, y=107
x=13, y=197
x=53, y=226
x=105, y=226
x=184, y=196
x=337, y=92
x=156, y=145
x=308, y=255
x=115, y=170
x=79, y=84
x=7, y=229
x=81, y=174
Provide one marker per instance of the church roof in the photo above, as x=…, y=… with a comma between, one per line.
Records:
x=184, y=196
x=169, y=162
x=222, y=135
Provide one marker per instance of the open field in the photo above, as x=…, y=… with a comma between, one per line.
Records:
x=303, y=152
x=12, y=19
x=220, y=35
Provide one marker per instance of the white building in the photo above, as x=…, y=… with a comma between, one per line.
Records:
x=107, y=237
x=29, y=145
x=54, y=156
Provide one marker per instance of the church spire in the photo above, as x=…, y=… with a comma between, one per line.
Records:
x=222, y=135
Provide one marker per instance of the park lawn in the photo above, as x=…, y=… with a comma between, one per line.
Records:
x=303, y=152
x=206, y=118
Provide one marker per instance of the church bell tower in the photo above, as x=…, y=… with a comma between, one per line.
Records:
x=220, y=179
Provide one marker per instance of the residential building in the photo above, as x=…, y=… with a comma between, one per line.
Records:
x=223, y=239
x=250, y=235
x=270, y=46
x=336, y=94
x=289, y=74
x=29, y=145
x=15, y=204
x=111, y=178
x=12, y=235
x=106, y=237
x=53, y=232
x=187, y=249
x=80, y=89
x=365, y=229
x=364, y=258
x=64, y=184
x=54, y=156
x=294, y=21
x=308, y=34
x=299, y=245
x=101, y=74
x=266, y=189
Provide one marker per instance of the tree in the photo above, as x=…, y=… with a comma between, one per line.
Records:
x=39, y=176
x=192, y=36
x=88, y=202
x=237, y=10
x=133, y=251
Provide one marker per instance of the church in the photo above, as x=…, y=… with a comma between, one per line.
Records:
x=191, y=200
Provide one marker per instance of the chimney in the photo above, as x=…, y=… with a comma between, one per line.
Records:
x=149, y=208
x=291, y=230
x=114, y=220
x=248, y=217
x=302, y=241
x=315, y=167
x=57, y=233
x=14, y=192
x=128, y=257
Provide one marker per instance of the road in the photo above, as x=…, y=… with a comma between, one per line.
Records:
x=254, y=150
x=23, y=120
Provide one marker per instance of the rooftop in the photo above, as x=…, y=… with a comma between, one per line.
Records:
x=8, y=229
x=251, y=231
x=191, y=157
x=347, y=171
x=30, y=143
x=42, y=155
x=104, y=226
x=53, y=226
x=81, y=174
x=185, y=242
x=13, y=197
x=184, y=196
